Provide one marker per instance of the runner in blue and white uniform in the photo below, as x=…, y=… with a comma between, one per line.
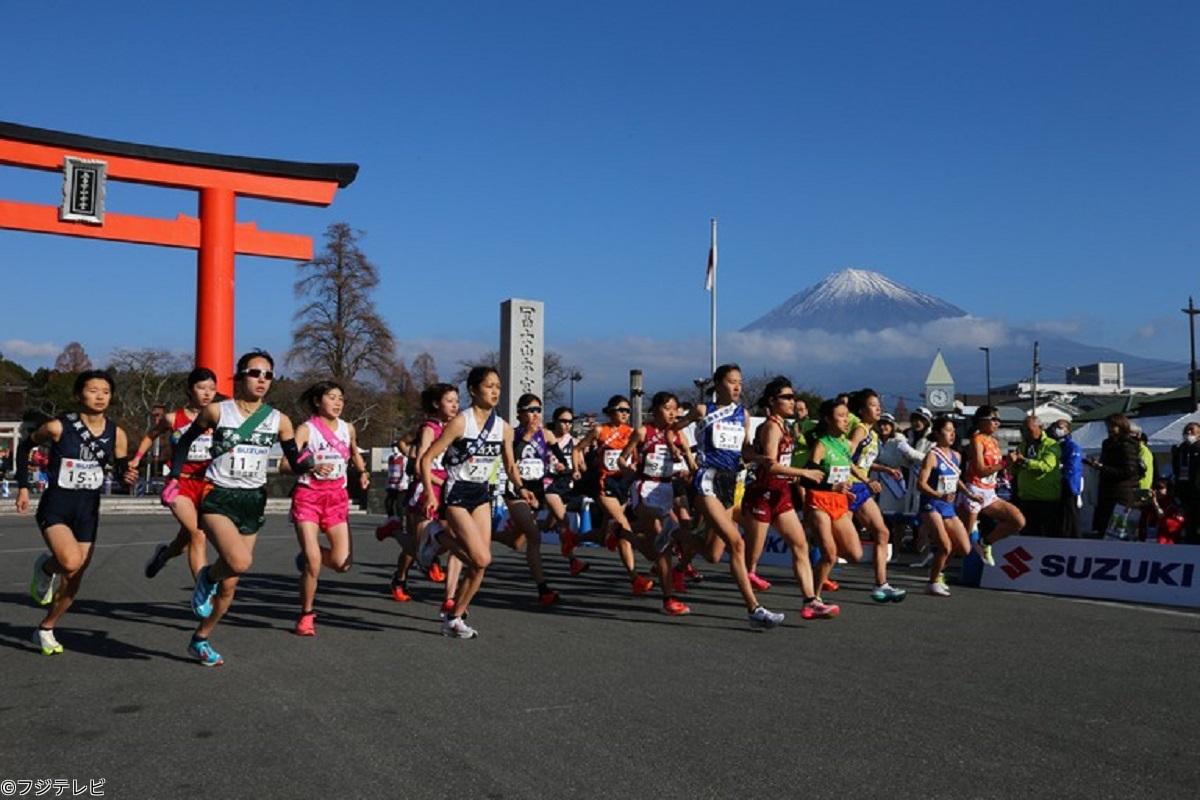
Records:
x=722, y=431
x=939, y=482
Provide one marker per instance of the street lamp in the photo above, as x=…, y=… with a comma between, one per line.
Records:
x=575, y=378
x=987, y=361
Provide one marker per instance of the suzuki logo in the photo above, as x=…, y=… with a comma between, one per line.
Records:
x=1018, y=562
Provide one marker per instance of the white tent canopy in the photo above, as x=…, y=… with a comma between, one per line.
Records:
x=1162, y=432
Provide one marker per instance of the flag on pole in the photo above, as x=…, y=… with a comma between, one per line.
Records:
x=710, y=275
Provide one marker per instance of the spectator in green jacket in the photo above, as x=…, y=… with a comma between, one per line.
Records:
x=1147, y=481
x=1038, y=470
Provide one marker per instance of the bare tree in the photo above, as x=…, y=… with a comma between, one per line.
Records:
x=423, y=371
x=339, y=334
x=555, y=373
x=73, y=358
x=147, y=377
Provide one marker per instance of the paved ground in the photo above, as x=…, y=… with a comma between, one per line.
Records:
x=986, y=694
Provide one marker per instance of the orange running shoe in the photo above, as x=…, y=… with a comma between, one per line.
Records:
x=567, y=542
x=399, y=592
x=306, y=625
x=829, y=585
x=578, y=566
x=679, y=580
x=436, y=574
x=673, y=607
x=642, y=584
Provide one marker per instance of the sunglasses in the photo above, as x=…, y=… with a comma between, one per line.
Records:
x=260, y=373
x=785, y=397
x=530, y=410
x=993, y=419
x=621, y=410
x=564, y=420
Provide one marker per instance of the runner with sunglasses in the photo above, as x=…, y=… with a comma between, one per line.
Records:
x=611, y=477
x=473, y=442
x=984, y=464
x=231, y=509
x=658, y=448
x=864, y=446
x=939, y=481
x=722, y=430
x=531, y=449
x=201, y=389
x=320, y=501
x=566, y=468
x=82, y=443
x=769, y=500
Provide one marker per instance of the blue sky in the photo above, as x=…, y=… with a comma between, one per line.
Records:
x=1029, y=162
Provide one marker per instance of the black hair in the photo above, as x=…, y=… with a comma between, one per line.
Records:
x=431, y=396
x=612, y=402
x=722, y=371
x=660, y=399
x=92, y=375
x=826, y=416
x=526, y=399
x=858, y=400
x=478, y=375
x=559, y=411
x=244, y=362
x=773, y=389
x=982, y=413
x=311, y=399
x=938, y=423
x=199, y=375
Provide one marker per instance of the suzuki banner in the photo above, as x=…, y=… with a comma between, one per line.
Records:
x=1112, y=570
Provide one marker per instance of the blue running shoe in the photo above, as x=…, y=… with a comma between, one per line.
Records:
x=203, y=594
x=887, y=593
x=203, y=652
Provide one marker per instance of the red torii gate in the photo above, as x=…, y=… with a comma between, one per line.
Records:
x=216, y=234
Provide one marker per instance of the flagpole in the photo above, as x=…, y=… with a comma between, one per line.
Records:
x=713, y=299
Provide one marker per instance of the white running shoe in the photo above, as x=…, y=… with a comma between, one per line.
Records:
x=985, y=553
x=455, y=628
x=937, y=589
x=41, y=587
x=762, y=619
x=45, y=640
x=924, y=562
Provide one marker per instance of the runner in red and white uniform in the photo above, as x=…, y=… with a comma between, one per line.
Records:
x=984, y=462
x=658, y=448
x=201, y=389
x=769, y=500
x=320, y=502
x=398, y=478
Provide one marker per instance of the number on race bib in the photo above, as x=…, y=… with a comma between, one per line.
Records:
x=612, y=460
x=659, y=464
x=947, y=484
x=839, y=474
x=77, y=474
x=531, y=468
x=248, y=461
x=200, y=449
x=478, y=470
x=332, y=458
x=729, y=436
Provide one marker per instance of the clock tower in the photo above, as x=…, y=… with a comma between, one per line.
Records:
x=939, y=386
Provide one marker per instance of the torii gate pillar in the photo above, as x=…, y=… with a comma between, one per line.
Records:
x=215, y=278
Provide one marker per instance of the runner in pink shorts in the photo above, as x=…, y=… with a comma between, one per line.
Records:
x=320, y=501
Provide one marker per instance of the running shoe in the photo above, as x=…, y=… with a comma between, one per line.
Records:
x=307, y=624
x=941, y=578
x=815, y=609
x=610, y=541
x=758, y=583
x=673, y=607
x=693, y=574
x=455, y=628
x=679, y=580
x=387, y=529
x=41, y=587
x=202, y=595
x=436, y=574
x=762, y=619
x=887, y=593
x=203, y=652
x=400, y=591
x=578, y=566
x=567, y=542
x=547, y=599
x=157, y=561
x=829, y=585
x=924, y=562
x=45, y=640
x=447, y=608
x=985, y=552
x=937, y=589
x=642, y=584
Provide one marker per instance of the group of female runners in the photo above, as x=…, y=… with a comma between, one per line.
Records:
x=668, y=490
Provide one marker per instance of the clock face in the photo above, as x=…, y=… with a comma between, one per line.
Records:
x=939, y=398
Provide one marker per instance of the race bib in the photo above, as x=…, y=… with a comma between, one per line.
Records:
x=947, y=484
x=77, y=474
x=867, y=460
x=199, y=449
x=335, y=460
x=248, y=461
x=728, y=436
x=612, y=460
x=989, y=480
x=531, y=468
x=839, y=474
x=659, y=464
x=477, y=469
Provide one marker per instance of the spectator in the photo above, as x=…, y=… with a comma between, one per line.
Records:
x=896, y=452
x=919, y=423
x=1147, y=458
x=1072, y=479
x=1039, y=480
x=1185, y=466
x=1162, y=518
x=1120, y=469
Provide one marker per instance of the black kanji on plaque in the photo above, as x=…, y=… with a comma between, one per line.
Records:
x=83, y=190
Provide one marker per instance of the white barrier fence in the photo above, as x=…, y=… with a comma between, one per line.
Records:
x=1110, y=570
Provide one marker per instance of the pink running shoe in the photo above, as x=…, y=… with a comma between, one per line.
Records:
x=307, y=624
x=819, y=610
x=758, y=583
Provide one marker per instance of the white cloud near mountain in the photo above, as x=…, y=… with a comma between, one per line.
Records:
x=21, y=350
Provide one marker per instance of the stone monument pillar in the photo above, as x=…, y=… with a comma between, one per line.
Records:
x=521, y=352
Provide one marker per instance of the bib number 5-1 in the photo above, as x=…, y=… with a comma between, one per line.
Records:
x=79, y=474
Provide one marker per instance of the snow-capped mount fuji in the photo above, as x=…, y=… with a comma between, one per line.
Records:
x=855, y=299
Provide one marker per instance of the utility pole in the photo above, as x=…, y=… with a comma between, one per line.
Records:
x=1192, y=311
x=635, y=395
x=987, y=361
x=1037, y=367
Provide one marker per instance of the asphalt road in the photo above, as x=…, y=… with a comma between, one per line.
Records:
x=986, y=694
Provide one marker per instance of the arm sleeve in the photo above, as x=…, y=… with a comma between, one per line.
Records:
x=179, y=450
x=24, y=449
x=299, y=464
